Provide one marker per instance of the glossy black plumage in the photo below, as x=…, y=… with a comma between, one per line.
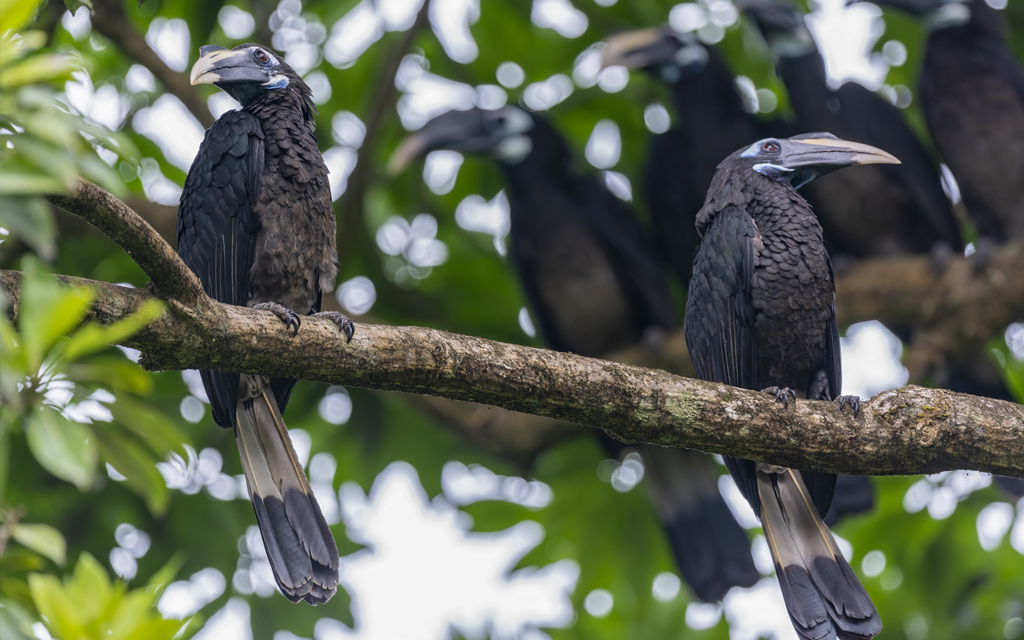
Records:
x=971, y=90
x=256, y=224
x=593, y=287
x=878, y=210
x=710, y=123
x=761, y=314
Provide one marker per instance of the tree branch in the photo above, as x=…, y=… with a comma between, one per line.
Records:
x=905, y=431
x=109, y=18
x=170, y=275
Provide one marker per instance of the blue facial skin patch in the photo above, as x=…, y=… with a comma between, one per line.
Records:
x=279, y=82
x=771, y=170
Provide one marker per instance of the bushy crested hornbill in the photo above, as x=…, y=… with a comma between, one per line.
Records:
x=593, y=286
x=881, y=210
x=972, y=92
x=256, y=224
x=760, y=314
x=710, y=123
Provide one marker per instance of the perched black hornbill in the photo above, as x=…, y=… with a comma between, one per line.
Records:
x=760, y=314
x=256, y=224
x=710, y=124
x=594, y=286
x=881, y=210
x=972, y=92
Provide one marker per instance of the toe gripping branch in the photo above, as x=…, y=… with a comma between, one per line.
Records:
x=288, y=317
x=344, y=322
x=853, y=401
x=782, y=394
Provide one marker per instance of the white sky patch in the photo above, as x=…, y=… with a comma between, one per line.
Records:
x=587, y=67
x=613, y=79
x=475, y=213
x=319, y=85
x=336, y=408
x=464, y=485
x=441, y=169
x=490, y=97
x=299, y=38
x=510, y=75
x=425, y=571
x=347, y=129
x=559, y=15
x=77, y=24
x=541, y=96
x=618, y=184
x=845, y=37
x=238, y=24
x=157, y=187
x=184, y=598
x=703, y=615
x=526, y=322
x=994, y=522
x=170, y=40
x=657, y=118
x=139, y=79
x=426, y=95
x=450, y=20
x=399, y=15
x=605, y=145
x=758, y=612
x=357, y=295
x=170, y=125
x=103, y=106
x=871, y=360
x=353, y=34
x=230, y=623
x=220, y=103
x=341, y=162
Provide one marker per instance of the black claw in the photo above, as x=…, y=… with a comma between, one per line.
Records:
x=853, y=401
x=782, y=394
x=290, y=319
x=344, y=322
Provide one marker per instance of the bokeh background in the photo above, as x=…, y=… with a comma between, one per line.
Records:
x=441, y=537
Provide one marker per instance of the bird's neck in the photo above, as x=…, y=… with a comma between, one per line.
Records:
x=283, y=103
x=974, y=17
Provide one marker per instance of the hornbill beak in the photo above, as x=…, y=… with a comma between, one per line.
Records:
x=825, y=152
x=639, y=48
x=217, y=65
x=454, y=130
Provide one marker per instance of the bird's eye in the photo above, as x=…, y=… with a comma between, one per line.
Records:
x=770, y=147
x=261, y=56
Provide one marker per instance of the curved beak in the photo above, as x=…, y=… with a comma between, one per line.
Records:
x=825, y=152
x=217, y=65
x=455, y=130
x=636, y=49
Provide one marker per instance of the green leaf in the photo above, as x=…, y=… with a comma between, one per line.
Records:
x=162, y=434
x=54, y=604
x=64, y=448
x=93, y=336
x=135, y=463
x=114, y=372
x=47, y=312
x=31, y=220
x=15, y=622
x=46, y=67
x=24, y=183
x=43, y=539
x=89, y=588
x=15, y=13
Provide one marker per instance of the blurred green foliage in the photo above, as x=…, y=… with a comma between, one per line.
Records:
x=60, y=505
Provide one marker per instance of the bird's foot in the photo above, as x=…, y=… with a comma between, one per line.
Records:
x=344, y=322
x=782, y=394
x=288, y=317
x=853, y=401
x=984, y=250
x=939, y=257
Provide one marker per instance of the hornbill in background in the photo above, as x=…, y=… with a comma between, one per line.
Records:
x=760, y=314
x=880, y=210
x=256, y=224
x=972, y=92
x=593, y=287
x=711, y=124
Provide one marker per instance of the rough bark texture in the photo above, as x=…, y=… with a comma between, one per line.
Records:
x=905, y=431
x=911, y=430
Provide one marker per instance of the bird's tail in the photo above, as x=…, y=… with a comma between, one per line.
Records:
x=710, y=548
x=299, y=543
x=823, y=595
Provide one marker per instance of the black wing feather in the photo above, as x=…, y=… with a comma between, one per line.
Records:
x=217, y=228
